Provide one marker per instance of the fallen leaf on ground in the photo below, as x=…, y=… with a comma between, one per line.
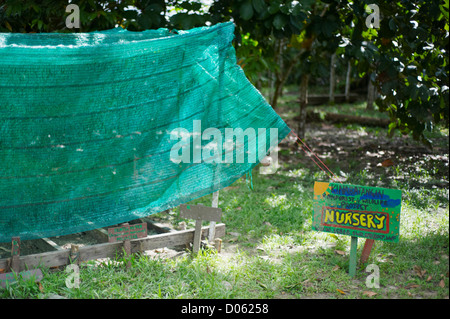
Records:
x=41, y=288
x=429, y=278
x=442, y=283
x=411, y=286
x=341, y=291
x=419, y=271
x=335, y=268
x=369, y=293
x=340, y=252
x=387, y=163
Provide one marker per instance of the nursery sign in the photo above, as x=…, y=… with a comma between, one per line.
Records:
x=357, y=211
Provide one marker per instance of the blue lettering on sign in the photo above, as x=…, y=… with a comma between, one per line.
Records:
x=385, y=200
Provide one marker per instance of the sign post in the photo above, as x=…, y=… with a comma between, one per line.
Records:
x=357, y=211
x=199, y=213
x=353, y=247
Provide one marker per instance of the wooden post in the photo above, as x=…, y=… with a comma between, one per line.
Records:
x=74, y=254
x=15, y=254
x=197, y=236
x=366, y=250
x=212, y=224
x=353, y=250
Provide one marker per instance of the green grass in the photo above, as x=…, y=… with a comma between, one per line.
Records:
x=277, y=255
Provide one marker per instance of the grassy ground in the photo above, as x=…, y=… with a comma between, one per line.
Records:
x=270, y=250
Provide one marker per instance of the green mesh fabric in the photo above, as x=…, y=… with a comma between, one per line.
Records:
x=86, y=121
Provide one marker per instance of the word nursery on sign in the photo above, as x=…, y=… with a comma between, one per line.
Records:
x=359, y=211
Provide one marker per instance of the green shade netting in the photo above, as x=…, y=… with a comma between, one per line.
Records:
x=87, y=124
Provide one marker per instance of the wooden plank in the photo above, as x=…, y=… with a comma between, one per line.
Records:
x=52, y=244
x=178, y=238
x=61, y=258
x=48, y=259
x=200, y=212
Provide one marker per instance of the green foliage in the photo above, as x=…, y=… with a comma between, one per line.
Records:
x=407, y=55
x=262, y=19
x=95, y=15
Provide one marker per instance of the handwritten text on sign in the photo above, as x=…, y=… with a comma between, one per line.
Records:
x=127, y=232
x=360, y=211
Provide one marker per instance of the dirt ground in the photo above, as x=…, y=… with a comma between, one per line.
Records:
x=356, y=150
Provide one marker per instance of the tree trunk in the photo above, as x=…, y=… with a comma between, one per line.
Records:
x=283, y=78
x=303, y=104
x=276, y=93
x=332, y=78
x=347, y=81
x=370, y=95
x=270, y=78
x=281, y=66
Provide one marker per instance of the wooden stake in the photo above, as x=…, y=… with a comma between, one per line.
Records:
x=212, y=224
x=15, y=254
x=197, y=236
x=366, y=250
x=74, y=254
x=353, y=250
